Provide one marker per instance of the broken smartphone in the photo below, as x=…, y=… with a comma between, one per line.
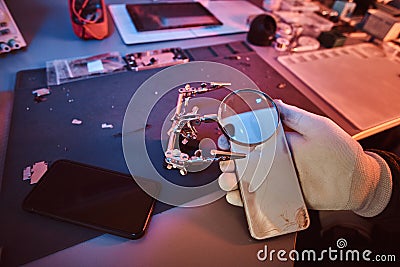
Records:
x=268, y=183
x=93, y=197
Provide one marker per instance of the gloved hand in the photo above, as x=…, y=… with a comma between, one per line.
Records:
x=334, y=171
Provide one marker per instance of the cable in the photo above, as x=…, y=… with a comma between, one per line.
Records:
x=78, y=13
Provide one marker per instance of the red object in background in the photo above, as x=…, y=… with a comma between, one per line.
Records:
x=89, y=18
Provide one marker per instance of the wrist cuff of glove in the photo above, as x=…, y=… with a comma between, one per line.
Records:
x=375, y=187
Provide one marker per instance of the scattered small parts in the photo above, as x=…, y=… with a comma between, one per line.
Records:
x=76, y=122
x=27, y=173
x=38, y=169
x=281, y=85
x=233, y=57
x=40, y=94
x=35, y=172
x=107, y=126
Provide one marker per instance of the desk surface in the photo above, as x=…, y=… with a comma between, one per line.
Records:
x=212, y=235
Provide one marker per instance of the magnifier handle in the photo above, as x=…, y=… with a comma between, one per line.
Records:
x=220, y=84
x=223, y=155
x=209, y=118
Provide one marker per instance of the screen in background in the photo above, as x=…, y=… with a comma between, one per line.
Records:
x=161, y=16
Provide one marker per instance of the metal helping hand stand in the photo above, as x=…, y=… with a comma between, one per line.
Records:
x=183, y=124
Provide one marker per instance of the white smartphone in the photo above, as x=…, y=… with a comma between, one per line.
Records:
x=277, y=206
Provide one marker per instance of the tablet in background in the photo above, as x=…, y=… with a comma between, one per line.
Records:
x=162, y=16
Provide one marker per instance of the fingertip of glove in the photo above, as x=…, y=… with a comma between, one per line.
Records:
x=227, y=166
x=227, y=181
x=234, y=198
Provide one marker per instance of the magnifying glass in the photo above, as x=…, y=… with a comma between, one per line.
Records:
x=248, y=117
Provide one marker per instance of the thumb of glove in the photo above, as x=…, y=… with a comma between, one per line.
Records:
x=303, y=122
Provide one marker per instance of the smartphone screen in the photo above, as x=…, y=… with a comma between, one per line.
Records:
x=105, y=200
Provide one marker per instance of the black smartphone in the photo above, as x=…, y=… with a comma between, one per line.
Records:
x=90, y=196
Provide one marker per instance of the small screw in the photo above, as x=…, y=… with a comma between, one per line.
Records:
x=281, y=85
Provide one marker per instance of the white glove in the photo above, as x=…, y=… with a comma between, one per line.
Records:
x=334, y=171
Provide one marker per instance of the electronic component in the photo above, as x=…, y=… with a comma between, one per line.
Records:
x=10, y=36
x=331, y=39
x=156, y=59
x=281, y=44
x=61, y=71
x=299, y=6
x=345, y=9
x=311, y=23
x=381, y=25
x=306, y=43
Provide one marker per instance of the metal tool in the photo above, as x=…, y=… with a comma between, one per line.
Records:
x=184, y=125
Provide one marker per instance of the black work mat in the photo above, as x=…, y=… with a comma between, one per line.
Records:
x=43, y=131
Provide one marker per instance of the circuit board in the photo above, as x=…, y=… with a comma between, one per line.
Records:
x=10, y=36
x=155, y=59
